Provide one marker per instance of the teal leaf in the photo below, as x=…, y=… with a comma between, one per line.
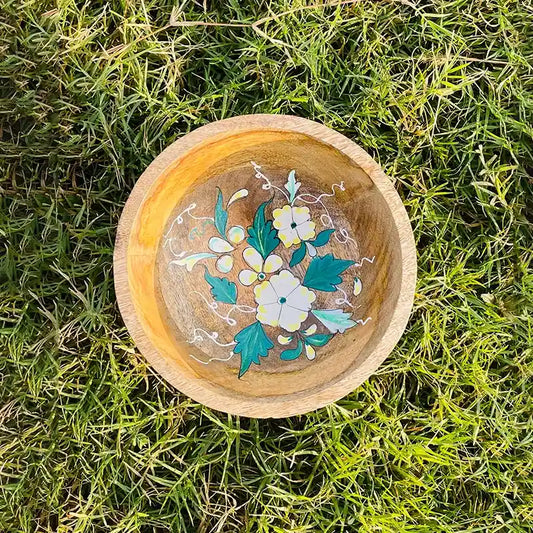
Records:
x=292, y=186
x=320, y=339
x=336, y=320
x=191, y=260
x=322, y=238
x=262, y=235
x=252, y=343
x=289, y=355
x=323, y=273
x=222, y=289
x=298, y=255
x=221, y=215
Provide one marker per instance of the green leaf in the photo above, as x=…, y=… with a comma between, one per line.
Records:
x=252, y=343
x=298, y=255
x=336, y=320
x=289, y=355
x=322, y=238
x=292, y=186
x=222, y=289
x=262, y=235
x=221, y=215
x=320, y=339
x=323, y=273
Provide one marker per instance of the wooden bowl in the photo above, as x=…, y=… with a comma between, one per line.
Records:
x=265, y=265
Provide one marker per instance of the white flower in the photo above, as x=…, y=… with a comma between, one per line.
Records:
x=283, y=301
x=270, y=265
x=222, y=246
x=293, y=224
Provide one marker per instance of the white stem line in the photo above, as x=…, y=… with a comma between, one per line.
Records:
x=363, y=322
x=363, y=260
x=344, y=299
x=345, y=237
x=212, y=336
x=318, y=199
x=168, y=242
x=267, y=185
x=231, y=354
x=179, y=218
x=214, y=306
x=227, y=318
x=325, y=218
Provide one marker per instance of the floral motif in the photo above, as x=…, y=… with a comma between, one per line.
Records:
x=222, y=246
x=309, y=350
x=307, y=338
x=294, y=224
x=260, y=267
x=283, y=301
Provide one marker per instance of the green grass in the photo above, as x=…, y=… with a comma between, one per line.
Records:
x=439, y=440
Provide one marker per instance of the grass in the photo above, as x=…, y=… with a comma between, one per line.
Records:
x=439, y=440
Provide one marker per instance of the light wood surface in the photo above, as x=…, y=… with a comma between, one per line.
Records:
x=163, y=303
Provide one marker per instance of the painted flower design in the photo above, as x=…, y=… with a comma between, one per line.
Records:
x=283, y=301
x=260, y=268
x=294, y=224
x=309, y=350
x=223, y=246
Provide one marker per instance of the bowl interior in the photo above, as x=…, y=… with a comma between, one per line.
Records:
x=196, y=334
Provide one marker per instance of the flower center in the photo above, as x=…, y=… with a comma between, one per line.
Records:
x=293, y=225
x=282, y=300
x=261, y=276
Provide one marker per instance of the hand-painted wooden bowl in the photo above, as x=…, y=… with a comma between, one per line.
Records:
x=265, y=265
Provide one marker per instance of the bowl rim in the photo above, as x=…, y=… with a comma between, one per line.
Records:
x=287, y=405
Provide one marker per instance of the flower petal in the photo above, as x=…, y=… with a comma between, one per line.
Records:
x=290, y=318
x=247, y=277
x=300, y=214
x=219, y=245
x=224, y=264
x=284, y=283
x=236, y=234
x=310, y=330
x=306, y=230
x=272, y=263
x=284, y=340
x=357, y=286
x=301, y=298
x=268, y=314
x=311, y=250
x=282, y=217
x=241, y=193
x=289, y=236
x=310, y=352
x=265, y=294
x=253, y=258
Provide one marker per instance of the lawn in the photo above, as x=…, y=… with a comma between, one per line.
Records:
x=439, y=440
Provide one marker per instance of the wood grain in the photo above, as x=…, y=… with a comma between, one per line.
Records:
x=160, y=306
